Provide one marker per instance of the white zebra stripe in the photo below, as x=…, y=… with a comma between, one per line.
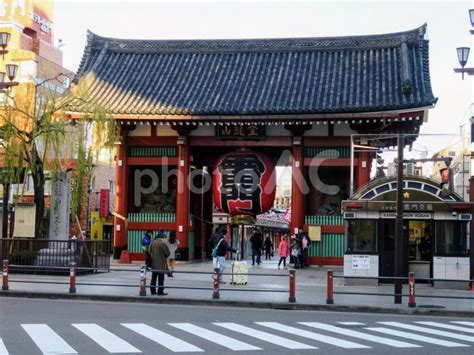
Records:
x=314, y=336
x=47, y=340
x=430, y=331
x=264, y=336
x=168, y=341
x=3, y=348
x=350, y=323
x=107, y=340
x=469, y=324
x=360, y=335
x=209, y=335
x=416, y=337
x=448, y=326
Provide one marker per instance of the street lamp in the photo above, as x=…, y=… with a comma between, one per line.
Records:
x=463, y=52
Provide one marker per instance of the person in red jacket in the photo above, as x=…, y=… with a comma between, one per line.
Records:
x=283, y=250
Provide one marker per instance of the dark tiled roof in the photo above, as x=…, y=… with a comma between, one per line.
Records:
x=259, y=76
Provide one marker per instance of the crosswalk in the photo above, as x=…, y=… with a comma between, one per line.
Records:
x=220, y=337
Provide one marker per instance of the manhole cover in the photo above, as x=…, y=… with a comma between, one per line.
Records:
x=430, y=306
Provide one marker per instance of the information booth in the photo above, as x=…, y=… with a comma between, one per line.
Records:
x=435, y=243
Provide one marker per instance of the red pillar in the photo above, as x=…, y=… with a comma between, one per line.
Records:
x=363, y=169
x=182, y=199
x=297, y=185
x=121, y=197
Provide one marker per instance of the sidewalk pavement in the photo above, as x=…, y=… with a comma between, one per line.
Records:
x=310, y=290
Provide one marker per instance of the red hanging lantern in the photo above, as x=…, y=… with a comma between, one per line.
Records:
x=244, y=183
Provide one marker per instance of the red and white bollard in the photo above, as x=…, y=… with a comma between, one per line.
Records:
x=292, y=297
x=411, y=290
x=72, y=278
x=5, y=276
x=142, y=280
x=330, y=288
x=215, y=291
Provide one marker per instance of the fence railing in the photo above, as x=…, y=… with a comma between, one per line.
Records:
x=410, y=279
x=43, y=255
x=73, y=269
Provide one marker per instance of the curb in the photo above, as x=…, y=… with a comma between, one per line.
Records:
x=241, y=304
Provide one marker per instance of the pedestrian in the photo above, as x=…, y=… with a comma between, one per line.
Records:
x=159, y=254
x=257, y=242
x=146, y=242
x=268, y=245
x=295, y=252
x=222, y=247
x=305, y=245
x=172, y=244
x=283, y=250
x=216, y=236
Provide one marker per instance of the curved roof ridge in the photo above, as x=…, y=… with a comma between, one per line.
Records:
x=238, y=44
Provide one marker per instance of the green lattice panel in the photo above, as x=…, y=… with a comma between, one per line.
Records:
x=331, y=245
x=327, y=152
x=152, y=152
x=152, y=217
x=324, y=220
x=134, y=239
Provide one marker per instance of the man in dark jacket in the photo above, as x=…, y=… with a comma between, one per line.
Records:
x=159, y=254
x=222, y=248
x=257, y=243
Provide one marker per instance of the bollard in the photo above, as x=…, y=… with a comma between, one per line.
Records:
x=5, y=276
x=330, y=288
x=292, y=297
x=72, y=278
x=215, y=292
x=411, y=290
x=142, y=280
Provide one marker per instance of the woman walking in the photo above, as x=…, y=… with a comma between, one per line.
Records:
x=172, y=243
x=283, y=251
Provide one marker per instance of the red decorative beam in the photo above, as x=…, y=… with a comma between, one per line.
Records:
x=155, y=226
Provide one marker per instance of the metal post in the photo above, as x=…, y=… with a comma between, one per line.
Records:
x=399, y=223
x=6, y=190
x=72, y=278
x=330, y=288
x=292, y=297
x=142, y=280
x=411, y=290
x=5, y=276
x=215, y=292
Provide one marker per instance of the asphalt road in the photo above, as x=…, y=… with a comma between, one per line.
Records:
x=33, y=326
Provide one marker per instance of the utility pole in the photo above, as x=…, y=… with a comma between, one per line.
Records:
x=399, y=223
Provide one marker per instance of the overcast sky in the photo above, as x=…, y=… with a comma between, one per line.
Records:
x=448, y=28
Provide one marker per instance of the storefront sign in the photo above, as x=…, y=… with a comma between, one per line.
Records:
x=241, y=132
x=408, y=215
x=360, y=262
x=104, y=203
x=409, y=206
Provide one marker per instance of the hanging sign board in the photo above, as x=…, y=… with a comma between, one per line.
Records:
x=24, y=226
x=360, y=262
x=104, y=203
x=314, y=233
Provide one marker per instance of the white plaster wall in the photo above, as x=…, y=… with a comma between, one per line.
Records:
x=141, y=130
x=165, y=130
x=317, y=130
x=276, y=130
x=343, y=129
x=204, y=131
